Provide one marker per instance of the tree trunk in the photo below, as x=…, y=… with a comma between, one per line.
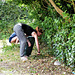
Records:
x=56, y=8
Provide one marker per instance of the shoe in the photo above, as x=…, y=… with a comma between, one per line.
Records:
x=24, y=58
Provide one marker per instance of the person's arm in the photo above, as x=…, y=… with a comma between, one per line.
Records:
x=29, y=44
x=36, y=41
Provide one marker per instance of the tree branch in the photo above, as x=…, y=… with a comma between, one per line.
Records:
x=43, y=4
x=56, y=8
x=68, y=1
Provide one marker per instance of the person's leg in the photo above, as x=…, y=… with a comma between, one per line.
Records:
x=22, y=39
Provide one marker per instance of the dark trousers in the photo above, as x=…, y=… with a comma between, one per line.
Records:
x=28, y=50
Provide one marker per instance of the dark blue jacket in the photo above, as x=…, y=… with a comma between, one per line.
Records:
x=11, y=36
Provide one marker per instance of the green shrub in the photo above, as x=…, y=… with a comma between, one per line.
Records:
x=10, y=12
x=64, y=43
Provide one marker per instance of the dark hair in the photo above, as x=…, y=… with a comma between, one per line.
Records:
x=39, y=29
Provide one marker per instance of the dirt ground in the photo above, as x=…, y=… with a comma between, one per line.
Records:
x=10, y=63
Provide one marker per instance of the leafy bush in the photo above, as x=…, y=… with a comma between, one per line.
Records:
x=9, y=14
x=64, y=45
x=60, y=38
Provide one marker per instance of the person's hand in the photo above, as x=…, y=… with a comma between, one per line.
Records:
x=38, y=53
x=29, y=44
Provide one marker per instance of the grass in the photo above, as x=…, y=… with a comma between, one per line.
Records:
x=10, y=63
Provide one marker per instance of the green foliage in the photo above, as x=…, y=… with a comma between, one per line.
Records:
x=60, y=37
x=9, y=15
x=64, y=45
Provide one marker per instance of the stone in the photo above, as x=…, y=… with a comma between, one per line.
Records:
x=57, y=63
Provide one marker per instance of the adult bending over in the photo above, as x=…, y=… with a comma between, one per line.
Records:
x=22, y=29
